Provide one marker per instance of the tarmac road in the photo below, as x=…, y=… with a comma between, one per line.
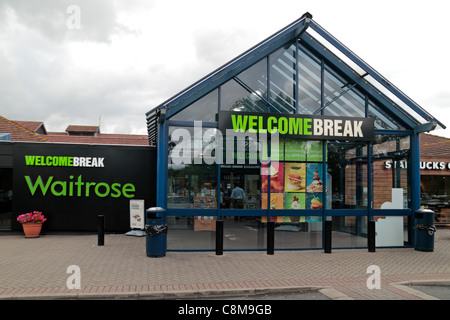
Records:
x=439, y=292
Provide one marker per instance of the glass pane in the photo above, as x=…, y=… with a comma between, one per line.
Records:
x=390, y=170
x=309, y=82
x=435, y=195
x=244, y=233
x=348, y=103
x=204, y=109
x=299, y=232
x=192, y=186
x=234, y=97
x=190, y=145
x=255, y=78
x=347, y=165
x=282, y=80
x=349, y=232
x=382, y=120
x=191, y=233
x=240, y=187
x=192, y=183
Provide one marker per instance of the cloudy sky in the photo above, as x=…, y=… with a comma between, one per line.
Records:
x=84, y=61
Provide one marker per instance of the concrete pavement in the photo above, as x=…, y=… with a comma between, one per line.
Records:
x=40, y=268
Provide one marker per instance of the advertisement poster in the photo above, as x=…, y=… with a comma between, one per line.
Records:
x=314, y=174
x=137, y=219
x=276, y=177
x=295, y=150
x=276, y=200
x=314, y=201
x=277, y=146
x=294, y=219
x=205, y=202
x=294, y=201
x=295, y=185
x=314, y=151
x=295, y=177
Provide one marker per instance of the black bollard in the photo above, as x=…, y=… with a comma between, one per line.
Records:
x=371, y=236
x=101, y=229
x=327, y=246
x=219, y=237
x=270, y=237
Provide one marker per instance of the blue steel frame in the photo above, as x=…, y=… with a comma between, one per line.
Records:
x=296, y=30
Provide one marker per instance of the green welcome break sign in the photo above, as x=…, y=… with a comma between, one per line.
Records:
x=307, y=127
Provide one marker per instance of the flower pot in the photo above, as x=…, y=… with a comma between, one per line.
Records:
x=32, y=229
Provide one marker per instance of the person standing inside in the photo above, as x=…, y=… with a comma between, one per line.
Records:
x=238, y=197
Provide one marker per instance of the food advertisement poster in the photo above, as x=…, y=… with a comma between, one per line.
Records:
x=314, y=174
x=295, y=177
x=296, y=184
x=276, y=177
x=294, y=201
x=276, y=200
x=314, y=201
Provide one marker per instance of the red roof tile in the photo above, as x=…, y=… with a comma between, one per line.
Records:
x=23, y=131
x=34, y=126
x=85, y=129
x=431, y=145
x=18, y=132
x=123, y=139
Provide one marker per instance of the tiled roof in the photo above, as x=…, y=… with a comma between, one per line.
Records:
x=431, y=145
x=19, y=132
x=102, y=138
x=34, y=126
x=86, y=129
x=25, y=131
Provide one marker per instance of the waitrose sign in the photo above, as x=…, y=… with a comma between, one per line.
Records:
x=73, y=185
x=307, y=127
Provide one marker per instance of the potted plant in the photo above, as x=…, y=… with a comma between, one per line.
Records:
x=32, y=223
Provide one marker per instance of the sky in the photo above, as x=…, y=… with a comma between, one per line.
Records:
x=105, y=62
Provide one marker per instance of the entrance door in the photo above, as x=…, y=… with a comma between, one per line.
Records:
x=242, y=229
x=6, y=196
x=248, y=178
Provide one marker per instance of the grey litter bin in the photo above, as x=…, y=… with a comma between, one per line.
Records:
x=156, y=232
x=424, y=230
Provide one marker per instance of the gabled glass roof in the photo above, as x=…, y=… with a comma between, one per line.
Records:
x=294, y=71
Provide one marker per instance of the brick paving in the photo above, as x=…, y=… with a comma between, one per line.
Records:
x=37, y=268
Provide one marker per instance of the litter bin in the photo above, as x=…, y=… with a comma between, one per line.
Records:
x=156, y=232
x=424, y=230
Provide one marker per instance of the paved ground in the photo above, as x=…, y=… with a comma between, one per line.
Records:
x=38, y=268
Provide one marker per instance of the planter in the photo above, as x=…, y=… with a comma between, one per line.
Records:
x=32, y=229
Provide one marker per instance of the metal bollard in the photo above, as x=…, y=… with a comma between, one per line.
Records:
x=219, y=237
x=101, y=229
x=270, y=237
x=327, y=247
x=371, y=236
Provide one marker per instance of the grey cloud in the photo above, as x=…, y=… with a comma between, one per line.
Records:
x=98, y=19
x=216, y=46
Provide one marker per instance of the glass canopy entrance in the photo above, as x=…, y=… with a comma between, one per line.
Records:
x=306, y=180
